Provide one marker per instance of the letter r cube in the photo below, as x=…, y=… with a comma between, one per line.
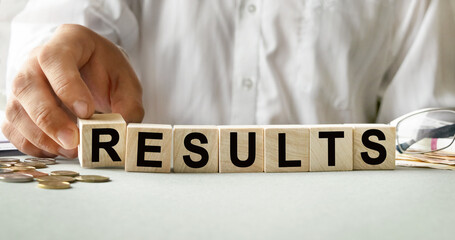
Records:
x=102, y=141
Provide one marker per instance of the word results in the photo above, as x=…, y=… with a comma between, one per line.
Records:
x=107, y=141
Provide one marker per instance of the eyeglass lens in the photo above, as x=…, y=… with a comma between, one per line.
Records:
x=426, y=131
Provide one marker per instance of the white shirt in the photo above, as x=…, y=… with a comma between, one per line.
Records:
x=268, y=61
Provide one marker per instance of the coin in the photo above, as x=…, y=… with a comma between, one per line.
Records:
x=54, y=185
x=39, y=159
x=33, y=164
x=56, y=179
x=64, y=173
x=3, y=160
x=6, y=170
x=47, y=161
x=33, y=173
x=9, y=163
x=20, y=168
x=5, y=165
x=15, y=178
x=92, y=178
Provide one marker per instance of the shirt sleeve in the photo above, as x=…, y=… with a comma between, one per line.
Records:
x=422, y=59
x=112, y=19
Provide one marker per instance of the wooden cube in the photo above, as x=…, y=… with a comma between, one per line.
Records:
x=148, y=148
x=196, y=149
x=286, y=148
x=102, y=141
x=241, y=149
x=374, y=146
x=331, y=148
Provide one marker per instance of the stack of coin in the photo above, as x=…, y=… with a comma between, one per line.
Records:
x=21, y=168
x=31, y=164
x=64, y=173
x=47, y=161
x=56, y=179
x=13, y=170
x=9, y=160
x=55, y=182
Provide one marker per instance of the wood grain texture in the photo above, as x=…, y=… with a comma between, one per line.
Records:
x=297, y=148
x=319, y=148
x=226, y=164
x=388, y=144
x=211, y=134
x=101, y=121
x=159, y=139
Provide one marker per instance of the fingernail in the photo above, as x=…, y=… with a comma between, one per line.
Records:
x=67, y=137
x=67, y=153
x=80, y=108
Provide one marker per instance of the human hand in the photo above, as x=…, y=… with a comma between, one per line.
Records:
x=74, y=74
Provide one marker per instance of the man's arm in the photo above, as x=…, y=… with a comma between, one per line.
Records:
x=73, y=74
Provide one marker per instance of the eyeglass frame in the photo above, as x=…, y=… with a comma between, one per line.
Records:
x=398, y=120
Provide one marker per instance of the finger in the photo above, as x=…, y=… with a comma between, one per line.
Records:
x=126, y=99
x=21, y=142
x=60, y=59
x=126, y=93
x=32, y=91
x=131, y=110
x=17, y=116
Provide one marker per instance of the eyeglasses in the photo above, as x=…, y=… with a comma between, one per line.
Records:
x=426, y=130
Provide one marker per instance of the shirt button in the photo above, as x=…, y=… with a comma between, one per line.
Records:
x=247, y=83
x=251, y=8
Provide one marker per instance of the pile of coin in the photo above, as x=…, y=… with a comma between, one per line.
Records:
x=14, y=171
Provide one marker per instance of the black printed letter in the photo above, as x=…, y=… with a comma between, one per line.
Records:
x=142, y=148
x=375, y=146
x=196, y=149
x=108, y=146
x=282, y=162
x=251, y=150
x=331, y=144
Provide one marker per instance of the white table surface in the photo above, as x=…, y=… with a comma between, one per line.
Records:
x=400, y=204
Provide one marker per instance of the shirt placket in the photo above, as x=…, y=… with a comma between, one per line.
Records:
x=246, y=58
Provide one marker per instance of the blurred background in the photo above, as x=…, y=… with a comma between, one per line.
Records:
x=8, y=9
